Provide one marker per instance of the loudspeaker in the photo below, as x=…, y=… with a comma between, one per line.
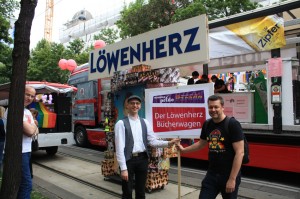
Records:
x=64, y=123
x=62, y=105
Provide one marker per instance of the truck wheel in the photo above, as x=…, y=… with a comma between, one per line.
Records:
x=81, y=136
x=51, y=150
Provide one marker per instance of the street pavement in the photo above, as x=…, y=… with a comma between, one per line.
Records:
x=56, y=186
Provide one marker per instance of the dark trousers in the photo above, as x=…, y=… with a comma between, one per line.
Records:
x=137, y=168
x=26, y=182
x=214, y=183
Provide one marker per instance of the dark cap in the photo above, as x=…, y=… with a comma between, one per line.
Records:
x=132, y=97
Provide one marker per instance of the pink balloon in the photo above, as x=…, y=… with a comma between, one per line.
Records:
x=99, y=44
x=62, y=64
x=71, y=65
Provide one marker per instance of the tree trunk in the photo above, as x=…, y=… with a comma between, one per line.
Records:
x=14, y=131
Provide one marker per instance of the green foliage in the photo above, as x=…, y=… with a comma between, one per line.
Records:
x=43, y=64
x=140, y=17
x=5, y=63
x=131, y=22
x=108, y=35
x=37, y=195
x=192, y=10
x=76, y=47
x=7, y=9
x=77, y=51
x=223, y=8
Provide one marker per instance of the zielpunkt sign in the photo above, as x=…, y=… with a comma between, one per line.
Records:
x=178, y=44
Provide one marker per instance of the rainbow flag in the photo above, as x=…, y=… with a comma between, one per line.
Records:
x=45, y=118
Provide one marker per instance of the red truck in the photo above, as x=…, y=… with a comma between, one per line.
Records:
x=87, y=111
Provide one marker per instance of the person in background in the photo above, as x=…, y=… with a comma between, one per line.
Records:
x=225, y=152
x=195, y=76
x=204, y=79
x=35, y=114
x=219, y=86
x=230, y=84
x=132, y=137
x=2, y=136
x=29, y=130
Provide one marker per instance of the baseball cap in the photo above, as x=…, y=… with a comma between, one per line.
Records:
x=132, y=97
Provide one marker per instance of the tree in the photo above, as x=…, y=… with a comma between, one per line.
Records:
x=6, y=12
x=14, y=130
x=5, y=63
x=43, y=64
x=140, y=17
x=76, y=50
x=76, y=47
x=223, y=8
x=109, y=35
x=189, y=11
x=133, y=21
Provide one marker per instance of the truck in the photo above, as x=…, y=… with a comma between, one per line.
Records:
x=53, y=103
x=270, y=119
x=88, y=108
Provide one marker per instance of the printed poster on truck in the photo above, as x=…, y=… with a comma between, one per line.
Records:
x=178, y=111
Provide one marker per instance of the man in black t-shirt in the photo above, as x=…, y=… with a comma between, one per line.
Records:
x=226, y=151
x=195, y=76
x=219, y=86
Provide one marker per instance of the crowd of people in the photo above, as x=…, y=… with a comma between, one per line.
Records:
x=219, y=85
x=132, y=136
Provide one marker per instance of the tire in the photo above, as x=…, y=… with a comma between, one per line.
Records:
x=51, y=150
x=81, y=136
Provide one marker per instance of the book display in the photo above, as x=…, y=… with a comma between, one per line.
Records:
x=124, y=84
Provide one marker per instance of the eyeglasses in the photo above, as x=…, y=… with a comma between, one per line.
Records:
x=135, y=103
x=30, y=96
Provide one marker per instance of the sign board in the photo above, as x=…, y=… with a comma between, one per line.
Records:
x=178, y=111
x=178, y=44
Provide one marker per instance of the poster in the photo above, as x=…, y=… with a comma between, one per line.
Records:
x=178, y=111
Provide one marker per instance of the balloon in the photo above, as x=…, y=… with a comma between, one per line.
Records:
x=62, y=64
x=99, y=44
x=71, y=65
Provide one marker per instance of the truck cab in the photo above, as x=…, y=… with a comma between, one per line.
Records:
x=87, y=111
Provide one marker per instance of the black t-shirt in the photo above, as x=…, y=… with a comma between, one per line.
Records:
x=191, y=81
x=219, y=83
x=220, y=150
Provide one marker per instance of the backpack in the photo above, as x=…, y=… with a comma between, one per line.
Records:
x=246, y=158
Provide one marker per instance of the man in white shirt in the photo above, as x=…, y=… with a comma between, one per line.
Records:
x=29, y=130
x=132, y=136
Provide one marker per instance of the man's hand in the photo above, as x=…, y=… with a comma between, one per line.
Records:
x=230, y=186
x=174, y=141
x=124, y=175
x=179, y=147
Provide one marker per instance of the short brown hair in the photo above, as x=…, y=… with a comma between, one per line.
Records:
x=215, y=98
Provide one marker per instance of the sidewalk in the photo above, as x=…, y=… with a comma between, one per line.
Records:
x=92, y=173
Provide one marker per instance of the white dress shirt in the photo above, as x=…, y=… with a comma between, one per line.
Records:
x=137, y=134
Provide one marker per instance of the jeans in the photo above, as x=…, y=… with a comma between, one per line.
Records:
x=137, y=168
x=1, y=152
x=214, y=183
x=26, y=182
